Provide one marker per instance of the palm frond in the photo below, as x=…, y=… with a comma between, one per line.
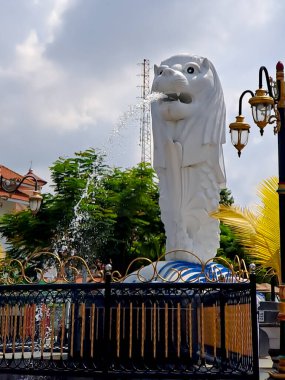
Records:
x=258, y=231
x=241, y=221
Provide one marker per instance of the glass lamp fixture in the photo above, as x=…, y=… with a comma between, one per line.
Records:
x=35, y=201
x=239, y=131
x=261, y=105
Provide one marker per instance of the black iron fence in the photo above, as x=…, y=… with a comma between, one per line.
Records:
x=203, y=330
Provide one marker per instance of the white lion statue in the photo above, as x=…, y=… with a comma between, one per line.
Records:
x=188, y=124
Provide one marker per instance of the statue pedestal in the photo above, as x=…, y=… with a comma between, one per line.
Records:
x=180, y=271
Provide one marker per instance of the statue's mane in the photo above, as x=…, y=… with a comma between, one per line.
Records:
x=215, y=115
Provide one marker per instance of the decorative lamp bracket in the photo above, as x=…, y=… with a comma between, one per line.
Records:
x=275, y=119
x=12, y=185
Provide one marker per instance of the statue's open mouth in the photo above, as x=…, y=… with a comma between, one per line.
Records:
x=183, y=97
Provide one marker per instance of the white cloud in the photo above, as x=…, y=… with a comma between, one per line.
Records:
x=54, y=18
x=69, y=71
x=31, y=64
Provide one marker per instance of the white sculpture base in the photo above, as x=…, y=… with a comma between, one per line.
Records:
x=181, y=271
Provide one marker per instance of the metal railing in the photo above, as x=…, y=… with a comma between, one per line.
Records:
x=204, y=330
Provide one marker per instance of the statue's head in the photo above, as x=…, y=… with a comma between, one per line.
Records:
x=191, y=86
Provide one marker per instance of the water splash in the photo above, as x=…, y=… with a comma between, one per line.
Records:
x=70, y=241
x=133, y=113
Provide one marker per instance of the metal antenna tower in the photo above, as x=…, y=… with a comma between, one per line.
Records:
x=145, y=127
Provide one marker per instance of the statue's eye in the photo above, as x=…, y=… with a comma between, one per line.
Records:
x=190, y=70
x=161, y=71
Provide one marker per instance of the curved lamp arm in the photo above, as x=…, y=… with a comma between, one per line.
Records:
x=241, y=98
x=264, y=70
x=13, y=186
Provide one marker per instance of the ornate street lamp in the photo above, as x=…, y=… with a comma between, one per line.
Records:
x=11, y=186
x=263, y=103
x=239, y=130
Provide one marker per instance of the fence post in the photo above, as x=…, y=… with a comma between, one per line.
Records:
x=273, y=283
x=107, y=305
x=223, y=331
x=254, y=327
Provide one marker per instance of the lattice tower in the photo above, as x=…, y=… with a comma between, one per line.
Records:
x=145, y=123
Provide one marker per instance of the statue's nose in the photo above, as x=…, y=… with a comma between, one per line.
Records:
x=168, y=72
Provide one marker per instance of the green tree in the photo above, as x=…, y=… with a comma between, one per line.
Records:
x=226, y=197
x=94, y=212
x=229, y=243
x=26, y=233
x=78, y=187
x=138, y=230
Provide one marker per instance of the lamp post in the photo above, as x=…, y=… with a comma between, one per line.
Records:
x=263, y=102
x=11, y=186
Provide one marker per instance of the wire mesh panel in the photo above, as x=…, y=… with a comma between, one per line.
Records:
x=146, y=329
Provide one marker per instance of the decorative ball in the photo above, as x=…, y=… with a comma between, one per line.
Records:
x=252, y=267
x=279, y=66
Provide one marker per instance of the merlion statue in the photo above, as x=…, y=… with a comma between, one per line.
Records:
x=188, y=125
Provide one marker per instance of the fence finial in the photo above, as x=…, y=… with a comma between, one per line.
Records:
x=252, y=268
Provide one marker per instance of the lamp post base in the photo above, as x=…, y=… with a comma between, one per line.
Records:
x=281, y=370
x=276, y=375
x=280, y=374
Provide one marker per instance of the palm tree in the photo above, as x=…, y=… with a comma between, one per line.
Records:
x=258, y=230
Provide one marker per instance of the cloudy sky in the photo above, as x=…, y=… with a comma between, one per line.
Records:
x=69, y=71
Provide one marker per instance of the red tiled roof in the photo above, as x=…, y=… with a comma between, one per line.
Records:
x=8, y=173
x=41, y=181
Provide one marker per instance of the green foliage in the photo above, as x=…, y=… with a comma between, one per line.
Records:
x=226, y=197
x=95, y=212
x=138, y=230
x=25, y=233
x=229, y=244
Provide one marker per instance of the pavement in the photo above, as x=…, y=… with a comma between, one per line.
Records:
x=265, y=365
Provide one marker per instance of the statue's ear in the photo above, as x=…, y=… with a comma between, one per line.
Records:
x=155, y=70
x=205, y=65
